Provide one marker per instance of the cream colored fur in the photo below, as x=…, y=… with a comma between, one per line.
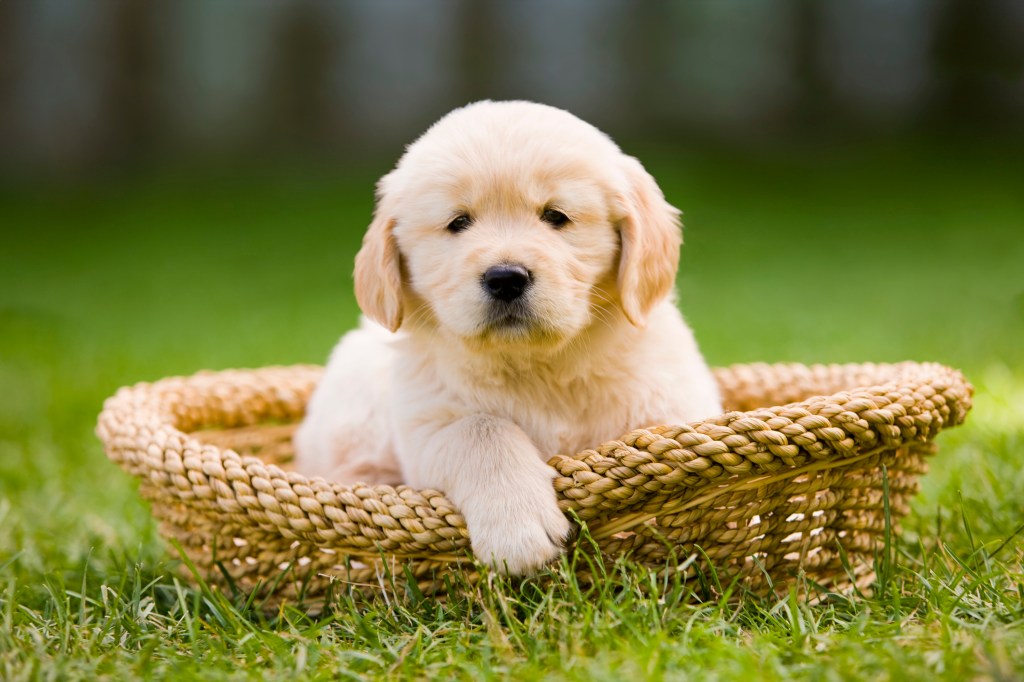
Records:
x=430, y=392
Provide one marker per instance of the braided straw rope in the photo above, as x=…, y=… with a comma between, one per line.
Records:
x=763, y=494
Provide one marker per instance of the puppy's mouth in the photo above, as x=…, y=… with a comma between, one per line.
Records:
x=513, y=327
x=510, y=320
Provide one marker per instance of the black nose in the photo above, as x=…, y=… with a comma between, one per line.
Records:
x=506, y=282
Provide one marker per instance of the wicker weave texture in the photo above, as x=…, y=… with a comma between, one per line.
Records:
x=783, y=485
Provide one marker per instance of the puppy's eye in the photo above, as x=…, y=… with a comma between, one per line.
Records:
x=554, y=217
x=459, y=223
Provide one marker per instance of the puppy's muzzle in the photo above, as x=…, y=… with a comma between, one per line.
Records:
x=506, y=282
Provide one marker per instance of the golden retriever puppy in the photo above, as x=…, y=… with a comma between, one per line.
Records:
x=519, y=275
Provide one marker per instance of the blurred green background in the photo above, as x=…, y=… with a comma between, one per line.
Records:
x=184, y=186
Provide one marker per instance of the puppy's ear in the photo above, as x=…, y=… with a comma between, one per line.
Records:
x=378, y=273
x=651, y=236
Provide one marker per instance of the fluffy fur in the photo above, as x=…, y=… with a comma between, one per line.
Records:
x=446, y=388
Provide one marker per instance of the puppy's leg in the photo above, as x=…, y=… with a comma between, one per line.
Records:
x=489, y=468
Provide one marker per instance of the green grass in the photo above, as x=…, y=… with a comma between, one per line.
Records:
x=852, y=255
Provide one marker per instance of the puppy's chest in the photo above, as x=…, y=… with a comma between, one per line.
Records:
x=565, y=422
x=559, y=416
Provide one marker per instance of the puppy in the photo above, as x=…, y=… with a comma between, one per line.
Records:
x=519, y=275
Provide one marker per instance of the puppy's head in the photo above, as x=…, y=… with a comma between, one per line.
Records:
x=513, y=222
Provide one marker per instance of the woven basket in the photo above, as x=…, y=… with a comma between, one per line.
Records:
x=766, y=495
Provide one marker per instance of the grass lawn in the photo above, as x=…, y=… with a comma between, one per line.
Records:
x=876, y=253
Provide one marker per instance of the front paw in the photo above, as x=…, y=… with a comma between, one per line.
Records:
x=517, y=531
